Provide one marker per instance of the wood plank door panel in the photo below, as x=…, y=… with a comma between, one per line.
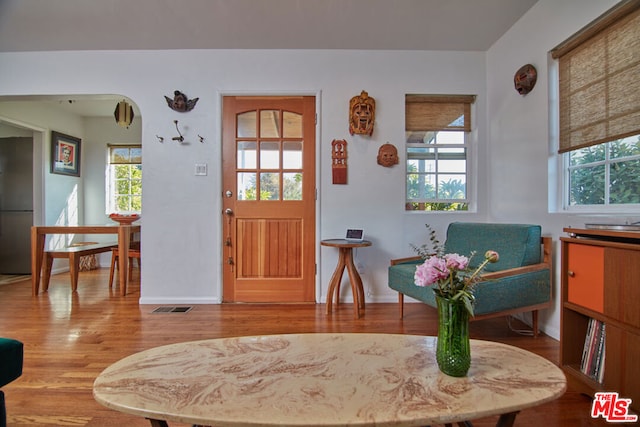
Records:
x=269, y=199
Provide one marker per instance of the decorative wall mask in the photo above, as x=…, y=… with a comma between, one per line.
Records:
x=362, y=114
x=124, y=114
x=339, y=161
x=180, y=102
x=388, y=155
x=525, y=79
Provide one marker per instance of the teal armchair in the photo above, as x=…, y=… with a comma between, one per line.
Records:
x=519, y=282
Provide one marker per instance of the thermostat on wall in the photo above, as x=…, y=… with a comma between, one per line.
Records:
x=355, y=234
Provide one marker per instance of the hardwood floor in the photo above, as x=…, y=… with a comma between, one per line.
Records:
x=70, y=338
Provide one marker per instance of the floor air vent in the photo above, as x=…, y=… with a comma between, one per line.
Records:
x=172, y=309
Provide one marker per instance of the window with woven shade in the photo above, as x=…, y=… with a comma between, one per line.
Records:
x=599, y=110
x=436, y=133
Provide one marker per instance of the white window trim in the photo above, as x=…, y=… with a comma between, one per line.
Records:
x=109, y=203
x=473, y=153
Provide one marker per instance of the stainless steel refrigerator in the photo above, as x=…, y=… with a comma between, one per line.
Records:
x=16, y=204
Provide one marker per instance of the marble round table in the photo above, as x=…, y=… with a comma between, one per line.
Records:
x=324, y=380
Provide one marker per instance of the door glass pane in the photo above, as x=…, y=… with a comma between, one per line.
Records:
x=246, y=186
x=269, y=186
x=246, y=124
x=292, y=186
x=269, y=155
x=246, y=155
x=292, y=155
x=269, y=124
x=292, y=123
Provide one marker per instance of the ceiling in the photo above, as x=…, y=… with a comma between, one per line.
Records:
x=52, y=25
x=462, y=25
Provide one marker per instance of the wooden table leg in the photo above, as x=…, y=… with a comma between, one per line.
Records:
x=162, y=423
x=46, y=276
x=356, y=283
x=37, y=254
x=124, y=236
x=334, y=284
x=158, y=423
x=507, y=420
x=74, y=270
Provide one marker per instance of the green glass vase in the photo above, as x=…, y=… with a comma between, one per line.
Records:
x=453, y=351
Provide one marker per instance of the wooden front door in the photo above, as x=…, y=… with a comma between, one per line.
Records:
x=268, y=152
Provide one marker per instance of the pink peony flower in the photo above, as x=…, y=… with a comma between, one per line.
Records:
x=456, y=262
x=432, y=270
x=449, y=274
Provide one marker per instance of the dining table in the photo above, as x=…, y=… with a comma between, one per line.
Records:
x=123, y=231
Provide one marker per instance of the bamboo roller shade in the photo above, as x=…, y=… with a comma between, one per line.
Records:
x=599, y=72
x=438, y=112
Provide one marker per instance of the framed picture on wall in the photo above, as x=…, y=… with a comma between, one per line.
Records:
x=65, y=154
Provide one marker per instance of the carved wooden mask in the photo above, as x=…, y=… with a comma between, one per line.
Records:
x=525, y=79
x=388, y=155
x=362, y=114
x=339, y=161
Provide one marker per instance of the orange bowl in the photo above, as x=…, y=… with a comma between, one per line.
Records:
x=124, y=219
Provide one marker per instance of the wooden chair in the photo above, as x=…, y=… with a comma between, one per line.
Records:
x=133, y=254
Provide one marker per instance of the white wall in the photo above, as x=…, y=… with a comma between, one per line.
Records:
x=522, y=149
x=181, y=214
x=59, y=201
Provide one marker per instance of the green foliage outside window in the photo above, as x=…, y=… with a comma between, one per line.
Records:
x=605, y=174
x=125, y=178
x=450, y=190
x=128, y=188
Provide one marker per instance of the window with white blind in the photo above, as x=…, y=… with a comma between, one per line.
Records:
x=437, y=131
x=124, y=179
x=599, y=111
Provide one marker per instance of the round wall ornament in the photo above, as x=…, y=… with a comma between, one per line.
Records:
x=525, y=79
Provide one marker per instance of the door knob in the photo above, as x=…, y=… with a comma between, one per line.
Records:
x=228, y=211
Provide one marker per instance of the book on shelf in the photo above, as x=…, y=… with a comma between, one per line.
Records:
x=593, y=352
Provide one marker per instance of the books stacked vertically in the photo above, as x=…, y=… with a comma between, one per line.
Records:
x=593, y=353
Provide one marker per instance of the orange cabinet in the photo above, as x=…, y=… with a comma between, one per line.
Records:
x=585, y=276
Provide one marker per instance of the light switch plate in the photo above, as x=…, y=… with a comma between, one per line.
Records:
x=201, y=169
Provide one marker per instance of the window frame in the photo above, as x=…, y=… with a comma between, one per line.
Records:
x=110, y=186
x=470, y=153
x=595, y=38
x=605, y=207
x=465, y=146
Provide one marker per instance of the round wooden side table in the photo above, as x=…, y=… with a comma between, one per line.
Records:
x=345, y=260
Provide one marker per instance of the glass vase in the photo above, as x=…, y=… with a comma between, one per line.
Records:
x=453, y=351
